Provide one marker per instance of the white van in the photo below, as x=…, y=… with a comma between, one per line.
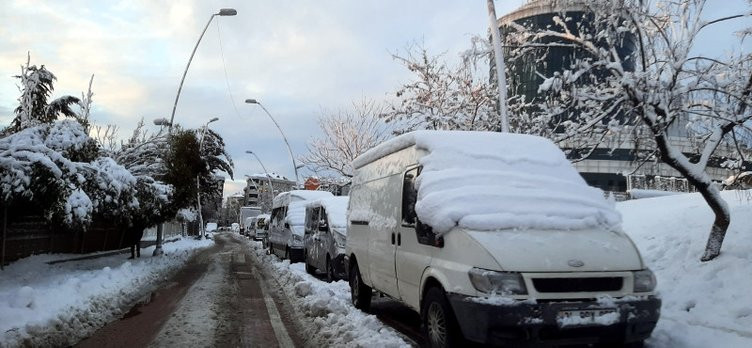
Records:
x=494, y=238
x=287, y=220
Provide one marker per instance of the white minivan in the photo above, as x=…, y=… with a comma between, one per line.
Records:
x=287, y=220
x=494, y=238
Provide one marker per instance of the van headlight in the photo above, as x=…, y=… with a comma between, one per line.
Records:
x=492, y=282
x=644, y=281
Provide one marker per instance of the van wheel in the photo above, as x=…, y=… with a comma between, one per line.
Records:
x=329, y=270
x=439, y=324
x=360, y=293
x=308, y=268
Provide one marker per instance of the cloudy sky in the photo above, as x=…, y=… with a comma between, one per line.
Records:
x=297, y=57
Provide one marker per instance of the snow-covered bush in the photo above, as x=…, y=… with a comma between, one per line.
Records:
x=58, y=169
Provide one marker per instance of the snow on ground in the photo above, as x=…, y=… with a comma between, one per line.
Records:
x=201, y=319
x=705, y=304
x=325, y=307
x=60, y=304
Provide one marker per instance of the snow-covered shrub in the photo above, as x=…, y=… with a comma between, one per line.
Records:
x=58, y=169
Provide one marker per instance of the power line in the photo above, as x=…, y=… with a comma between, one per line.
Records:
x=224, y=66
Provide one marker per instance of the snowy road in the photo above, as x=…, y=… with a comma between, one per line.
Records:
x=218, y=299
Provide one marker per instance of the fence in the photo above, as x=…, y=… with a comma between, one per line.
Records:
x=25, y=234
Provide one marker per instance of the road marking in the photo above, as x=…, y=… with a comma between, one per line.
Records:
x=283, y=337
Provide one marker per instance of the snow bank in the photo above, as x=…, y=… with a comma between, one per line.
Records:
x=705, y=304
x=490, y=181
x=336, y=208
x=60, y=304
x=326, y=308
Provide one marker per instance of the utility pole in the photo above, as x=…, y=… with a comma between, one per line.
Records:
x=501, y=77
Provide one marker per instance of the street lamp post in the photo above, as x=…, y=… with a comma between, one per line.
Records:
x=222, y=12
x=294, y=165
x=268, y=177
x=201, y=230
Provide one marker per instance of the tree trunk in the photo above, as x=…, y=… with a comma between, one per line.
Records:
x=711, y=195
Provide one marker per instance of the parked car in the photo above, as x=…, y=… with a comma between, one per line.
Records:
x=286, y=227
x=211, y=227
x=494, y=238
x=235, y=227
x=261, y=227
x=325, y=235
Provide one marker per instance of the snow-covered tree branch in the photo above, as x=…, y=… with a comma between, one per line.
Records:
x=662, y=84
x=346, y=135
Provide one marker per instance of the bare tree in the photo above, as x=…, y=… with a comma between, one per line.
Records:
x=441, y=96
x=663, y=85
x=347, y=133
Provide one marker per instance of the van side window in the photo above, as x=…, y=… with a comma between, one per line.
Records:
x=409, y=197
x=409, y=216
x=311, y=224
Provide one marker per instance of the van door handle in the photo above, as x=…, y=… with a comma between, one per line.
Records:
x=399, y=239
x=392, y=238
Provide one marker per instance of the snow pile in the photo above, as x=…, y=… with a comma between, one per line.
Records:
x=326, y=307
x=705, y=304
x=60, y=304
x=490, y=181
x=336, y=208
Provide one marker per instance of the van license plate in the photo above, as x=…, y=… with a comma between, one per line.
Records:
x=605, y=316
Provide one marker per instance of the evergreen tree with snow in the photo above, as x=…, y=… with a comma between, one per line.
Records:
x=33, y=109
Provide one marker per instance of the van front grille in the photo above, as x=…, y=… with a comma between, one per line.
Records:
x=578, y=284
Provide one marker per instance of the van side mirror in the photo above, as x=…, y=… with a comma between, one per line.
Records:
x=287, y=225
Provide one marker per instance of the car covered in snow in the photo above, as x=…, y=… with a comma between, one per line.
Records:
x=325, y=235
x=287, y=219
x=259, y=229
x=494, y=238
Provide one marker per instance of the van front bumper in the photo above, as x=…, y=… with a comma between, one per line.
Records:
x=530, y=323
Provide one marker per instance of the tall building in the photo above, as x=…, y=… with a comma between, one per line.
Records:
x=613, y=167
x=257, y=192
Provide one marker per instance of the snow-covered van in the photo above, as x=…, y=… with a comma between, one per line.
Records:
x=325, y=235
x=494, y=238
x=286, y=226
x=260, y=229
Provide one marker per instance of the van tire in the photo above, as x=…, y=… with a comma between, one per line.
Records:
x=329, y=270
x=438, y=322
x=308, y=268
x=360, y=293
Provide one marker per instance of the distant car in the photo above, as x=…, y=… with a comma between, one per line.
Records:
x=325, y=235
x=211, y=227
x=235, y=227
x=260, y=229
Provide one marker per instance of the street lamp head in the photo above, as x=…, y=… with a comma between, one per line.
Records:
x=214, y=119
x=162, y=122
x=249, y=151
x=251, y=101
x=227, y=12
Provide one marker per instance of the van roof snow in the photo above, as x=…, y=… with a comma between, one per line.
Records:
x=491, y=181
